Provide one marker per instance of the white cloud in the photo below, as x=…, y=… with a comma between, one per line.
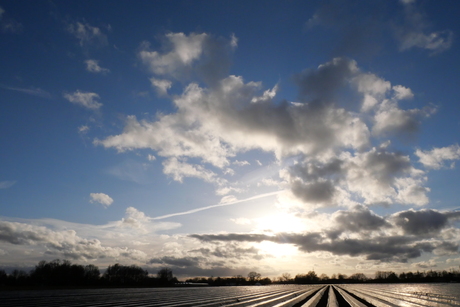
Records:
x=83, y=129
x=151, y=157
x=101, y=198
x=93, y=66
x=65, y=243
x=7, y=184
x=241, y=163
x=161, y=86
x=226, y=190
x=1, y=12
x=178, y=170
x=215, y=123
x=436, y=157
x=402, y=92
x=87, y=34
x=234, y=41
x=84, y=99
x=185, y=50
x=377, y=176
x=391, y=119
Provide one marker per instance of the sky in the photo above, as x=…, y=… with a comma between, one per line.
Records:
x=222, y=137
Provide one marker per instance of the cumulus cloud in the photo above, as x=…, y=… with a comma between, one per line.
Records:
x=101, y=198
x=362, y=233
x=178, y=170
x=85, y=99
x=87, y=34
x=435, y=158
x=185, y=49
x=162, y=86
x=64, y=243
x=375, y=176
x=215, y=123
x=423, y=222
x=93, y=66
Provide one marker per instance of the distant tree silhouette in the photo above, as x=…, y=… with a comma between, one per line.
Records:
x=253, y=276
x=165, y=277
x=285, y=277
x=308, y=278
x=118, y=274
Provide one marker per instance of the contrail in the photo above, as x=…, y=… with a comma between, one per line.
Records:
x=218, y=205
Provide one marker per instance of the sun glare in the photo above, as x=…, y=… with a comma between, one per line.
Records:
x=277, y=250
x=282, y=222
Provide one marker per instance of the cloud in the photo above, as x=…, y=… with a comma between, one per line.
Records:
x=134, y=218
x=101, y=198
x=64, y=243
x=93, y=66
x=359, y=219
x=162, y=86
x=176, y=262
x=197, y=54
x=435, y=158
x=84, y=99
x=87, y=34
x=214, y=124
x=7, y=184
x=414, y=32
x=423, y=222
x=178, y=170
x=83, y=129
x=241, y=163
x=360, y=232
x=374, y=176
x=184, y=50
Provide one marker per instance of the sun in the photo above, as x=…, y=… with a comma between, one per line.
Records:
x=276, y=224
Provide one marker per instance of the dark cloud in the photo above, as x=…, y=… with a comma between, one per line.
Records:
x=178, y=262
x=319, y=192
x=62, y=243
x=359, y=219
x=423, y=222
x=230, y=251
x=319, y=86
x=368, y=240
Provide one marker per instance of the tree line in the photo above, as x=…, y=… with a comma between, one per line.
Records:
x=64, y=274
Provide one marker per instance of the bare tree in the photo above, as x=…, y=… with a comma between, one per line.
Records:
x=254, y=276
x=285, y=277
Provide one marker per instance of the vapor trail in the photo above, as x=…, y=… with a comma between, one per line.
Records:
x=218, y=205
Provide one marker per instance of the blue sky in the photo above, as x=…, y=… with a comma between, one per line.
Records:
x=222, y=137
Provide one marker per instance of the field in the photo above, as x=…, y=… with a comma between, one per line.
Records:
x=274, y=295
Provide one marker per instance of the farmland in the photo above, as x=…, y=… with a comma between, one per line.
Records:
x=274, y=295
